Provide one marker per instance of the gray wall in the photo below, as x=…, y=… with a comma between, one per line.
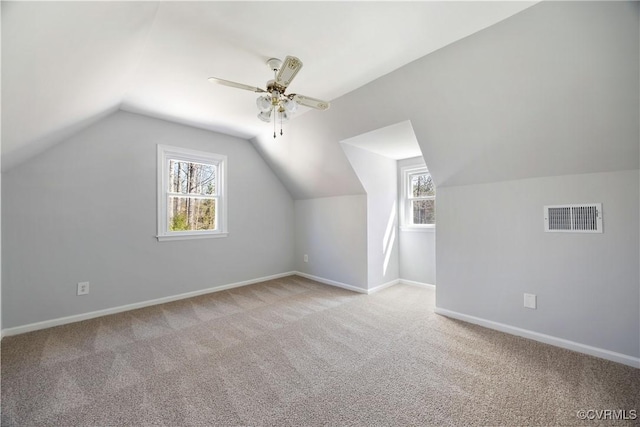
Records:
x=492, y=248
x=378, y=175
x=417, y=247
x=333, y=232
x=549, y=93
x=85, y=210
x=418, y=256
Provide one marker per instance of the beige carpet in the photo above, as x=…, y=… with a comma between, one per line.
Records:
x=296, y=352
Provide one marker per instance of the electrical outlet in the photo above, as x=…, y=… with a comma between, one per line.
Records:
x=306, y=258
x=83, y=288
x=530, y=301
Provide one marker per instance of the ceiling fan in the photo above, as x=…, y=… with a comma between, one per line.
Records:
x=275, y=100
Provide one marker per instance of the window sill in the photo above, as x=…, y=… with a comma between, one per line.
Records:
x=165, y=238
x=425, y=229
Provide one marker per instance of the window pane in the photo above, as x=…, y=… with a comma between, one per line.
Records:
x=191, y=214
x=192, y=178
x=422, y=185
x=424, y=211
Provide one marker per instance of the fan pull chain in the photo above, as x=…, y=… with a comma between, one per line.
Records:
x=275, y=112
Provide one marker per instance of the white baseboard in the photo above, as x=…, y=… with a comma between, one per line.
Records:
x=547, y=339
x=364, y=291
x=93, y=314
x=418, y=284
x=383, y=286
x=332, y=282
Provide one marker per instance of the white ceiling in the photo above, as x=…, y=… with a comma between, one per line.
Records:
x=395, y=142
x=67, y=64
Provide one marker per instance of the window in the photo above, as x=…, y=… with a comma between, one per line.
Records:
x=191, y=194
x=419, y=193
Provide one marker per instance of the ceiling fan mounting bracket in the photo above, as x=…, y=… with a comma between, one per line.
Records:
x=274, y=64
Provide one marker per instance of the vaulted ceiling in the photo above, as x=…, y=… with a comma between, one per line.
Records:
x=550, y=91
x=65, y=65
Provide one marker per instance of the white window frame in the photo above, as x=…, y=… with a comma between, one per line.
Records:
x=166, y=153
x=407, y=198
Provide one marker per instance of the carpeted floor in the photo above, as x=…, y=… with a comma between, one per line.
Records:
x=296, y=352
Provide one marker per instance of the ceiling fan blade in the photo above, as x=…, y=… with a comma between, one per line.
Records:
x=234, y=84
x=288, y=70
x=311, y=102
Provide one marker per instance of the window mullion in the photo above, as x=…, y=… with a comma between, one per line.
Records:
x=194, y=196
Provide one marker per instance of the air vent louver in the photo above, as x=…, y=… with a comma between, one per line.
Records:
x=586, y=218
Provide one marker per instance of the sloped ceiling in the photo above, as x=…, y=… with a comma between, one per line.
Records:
x=550, y=91
x=67, y=64
x=395, y=142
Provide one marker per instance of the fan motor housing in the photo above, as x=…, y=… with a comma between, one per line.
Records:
x=272, y=85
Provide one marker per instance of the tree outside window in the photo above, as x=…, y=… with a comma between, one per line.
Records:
x=420, y=198
x=191, y=194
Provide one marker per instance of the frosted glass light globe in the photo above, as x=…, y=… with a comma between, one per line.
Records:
x=264, y=103
x=265, y=116
x=290, y=105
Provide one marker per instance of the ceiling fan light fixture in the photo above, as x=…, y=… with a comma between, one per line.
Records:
x=290, y=105
x=264, y=103
x=275, y=97
x=284, y=115
x=265, y=116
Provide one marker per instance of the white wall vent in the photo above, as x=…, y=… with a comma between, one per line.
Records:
x=586, y=218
